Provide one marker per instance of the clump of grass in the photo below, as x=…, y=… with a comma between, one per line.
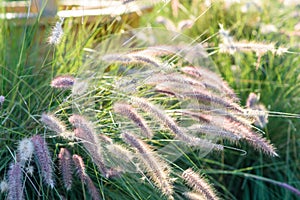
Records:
x=179, y=104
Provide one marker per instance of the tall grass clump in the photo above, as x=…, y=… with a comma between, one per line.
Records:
x=270, y=72
x=89, y=113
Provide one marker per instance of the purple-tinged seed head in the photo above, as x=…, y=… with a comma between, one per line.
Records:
x=2, y=99
x=53, y=123
x=63, y=82
x=80, y=167
x=15, y=178
x=43, y=159
x=65, y=162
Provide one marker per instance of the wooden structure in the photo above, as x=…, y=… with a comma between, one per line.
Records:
x=92, y=10
x=78, y=14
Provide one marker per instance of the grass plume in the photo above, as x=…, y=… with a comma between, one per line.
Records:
x=199, y=184
x=43, y=159
x=15, y=182
x=130, y=112
x=53, y=123
x=63, y=82
x=172, y=125
x=155, y=167
x=81, y=172
x=65, y=164
x=25, y=151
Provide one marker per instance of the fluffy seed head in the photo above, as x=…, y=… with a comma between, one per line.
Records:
x=63, y=82
x=80, y=167
x=252, y=100
x=257, y=110
x=15, y=179
x=194, y=196
x=128, y=111
x=43, y=159
x=53, y=123
x=29, y=170
x=25, y=150
x=199, y=184
x=85, y=131
x=65, y=163
x=155, y=167
x=4, y=186
x=172, y=125
x=2, y=99
x=92, y=189
x=57, y=33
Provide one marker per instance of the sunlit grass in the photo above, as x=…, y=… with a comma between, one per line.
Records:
x=28, y=66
